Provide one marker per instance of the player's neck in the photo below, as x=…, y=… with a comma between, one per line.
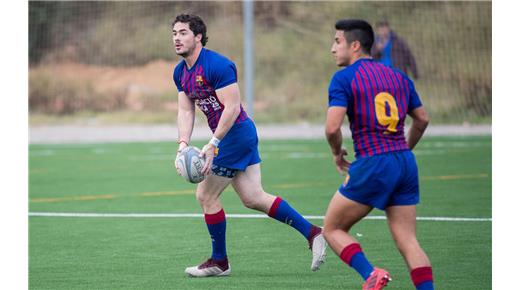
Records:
x=192, y=58
x=358, y=57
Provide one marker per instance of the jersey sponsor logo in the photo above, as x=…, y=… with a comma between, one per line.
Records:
x=208, y=103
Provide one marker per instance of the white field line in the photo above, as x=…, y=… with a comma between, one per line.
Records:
x=239, y=216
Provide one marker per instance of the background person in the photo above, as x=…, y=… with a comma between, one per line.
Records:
x=392, y=51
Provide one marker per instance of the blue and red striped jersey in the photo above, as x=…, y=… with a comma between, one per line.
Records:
x=377, y=99
x=210, y=72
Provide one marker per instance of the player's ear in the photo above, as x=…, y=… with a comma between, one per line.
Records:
x=356, y=45
x=198, y=37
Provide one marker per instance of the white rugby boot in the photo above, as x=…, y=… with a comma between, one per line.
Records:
x=318, y=245
x=210, y=268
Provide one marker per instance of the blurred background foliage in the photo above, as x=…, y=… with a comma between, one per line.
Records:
x=112, y=62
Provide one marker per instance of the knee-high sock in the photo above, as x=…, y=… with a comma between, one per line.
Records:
x=217, y=230
x=422, y=278
x=283, y=212
x=353, y=256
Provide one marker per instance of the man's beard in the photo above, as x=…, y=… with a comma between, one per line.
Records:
x=185, y=53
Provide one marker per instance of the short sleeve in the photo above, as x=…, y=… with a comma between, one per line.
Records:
x=414, y=101
x=337, y=92
x=177, y=77
x=223, y=73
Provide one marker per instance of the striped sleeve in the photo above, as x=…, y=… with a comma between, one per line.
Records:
x=177, y=76
x=414, y=101
x=337, y=91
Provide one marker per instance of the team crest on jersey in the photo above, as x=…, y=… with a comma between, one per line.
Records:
x=199, y=80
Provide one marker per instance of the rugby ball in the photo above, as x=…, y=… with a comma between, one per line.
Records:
x=190, y=164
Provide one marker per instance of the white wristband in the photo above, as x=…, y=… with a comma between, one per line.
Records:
x=214, y=141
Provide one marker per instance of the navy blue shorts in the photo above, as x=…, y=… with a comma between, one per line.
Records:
x=383, y=180
x=237, y=150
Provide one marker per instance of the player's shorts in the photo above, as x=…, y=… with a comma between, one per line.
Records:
x=383, y=180
x=237, y=150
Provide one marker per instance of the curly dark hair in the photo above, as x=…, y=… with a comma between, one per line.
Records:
x=196, y=25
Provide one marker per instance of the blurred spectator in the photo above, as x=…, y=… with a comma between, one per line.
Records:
x=392, y=50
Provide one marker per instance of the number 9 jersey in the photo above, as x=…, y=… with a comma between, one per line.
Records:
x=377, y=99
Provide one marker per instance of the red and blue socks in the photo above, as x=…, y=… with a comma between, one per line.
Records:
x=353, y=256
x=217, y=230
x=283, y=212
x=422, y=278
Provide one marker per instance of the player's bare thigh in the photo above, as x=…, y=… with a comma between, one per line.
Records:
x=208, y=192
x=248, y=185
x=402, y=220
x=341, y=215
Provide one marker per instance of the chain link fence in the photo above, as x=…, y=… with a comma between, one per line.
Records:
x=116, y=58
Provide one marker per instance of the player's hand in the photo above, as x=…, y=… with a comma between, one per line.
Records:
x=182, y=145
x=342, y=165
x=208, y=152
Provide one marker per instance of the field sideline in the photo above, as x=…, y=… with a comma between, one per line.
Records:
x=81, y=235
x=154, y=133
